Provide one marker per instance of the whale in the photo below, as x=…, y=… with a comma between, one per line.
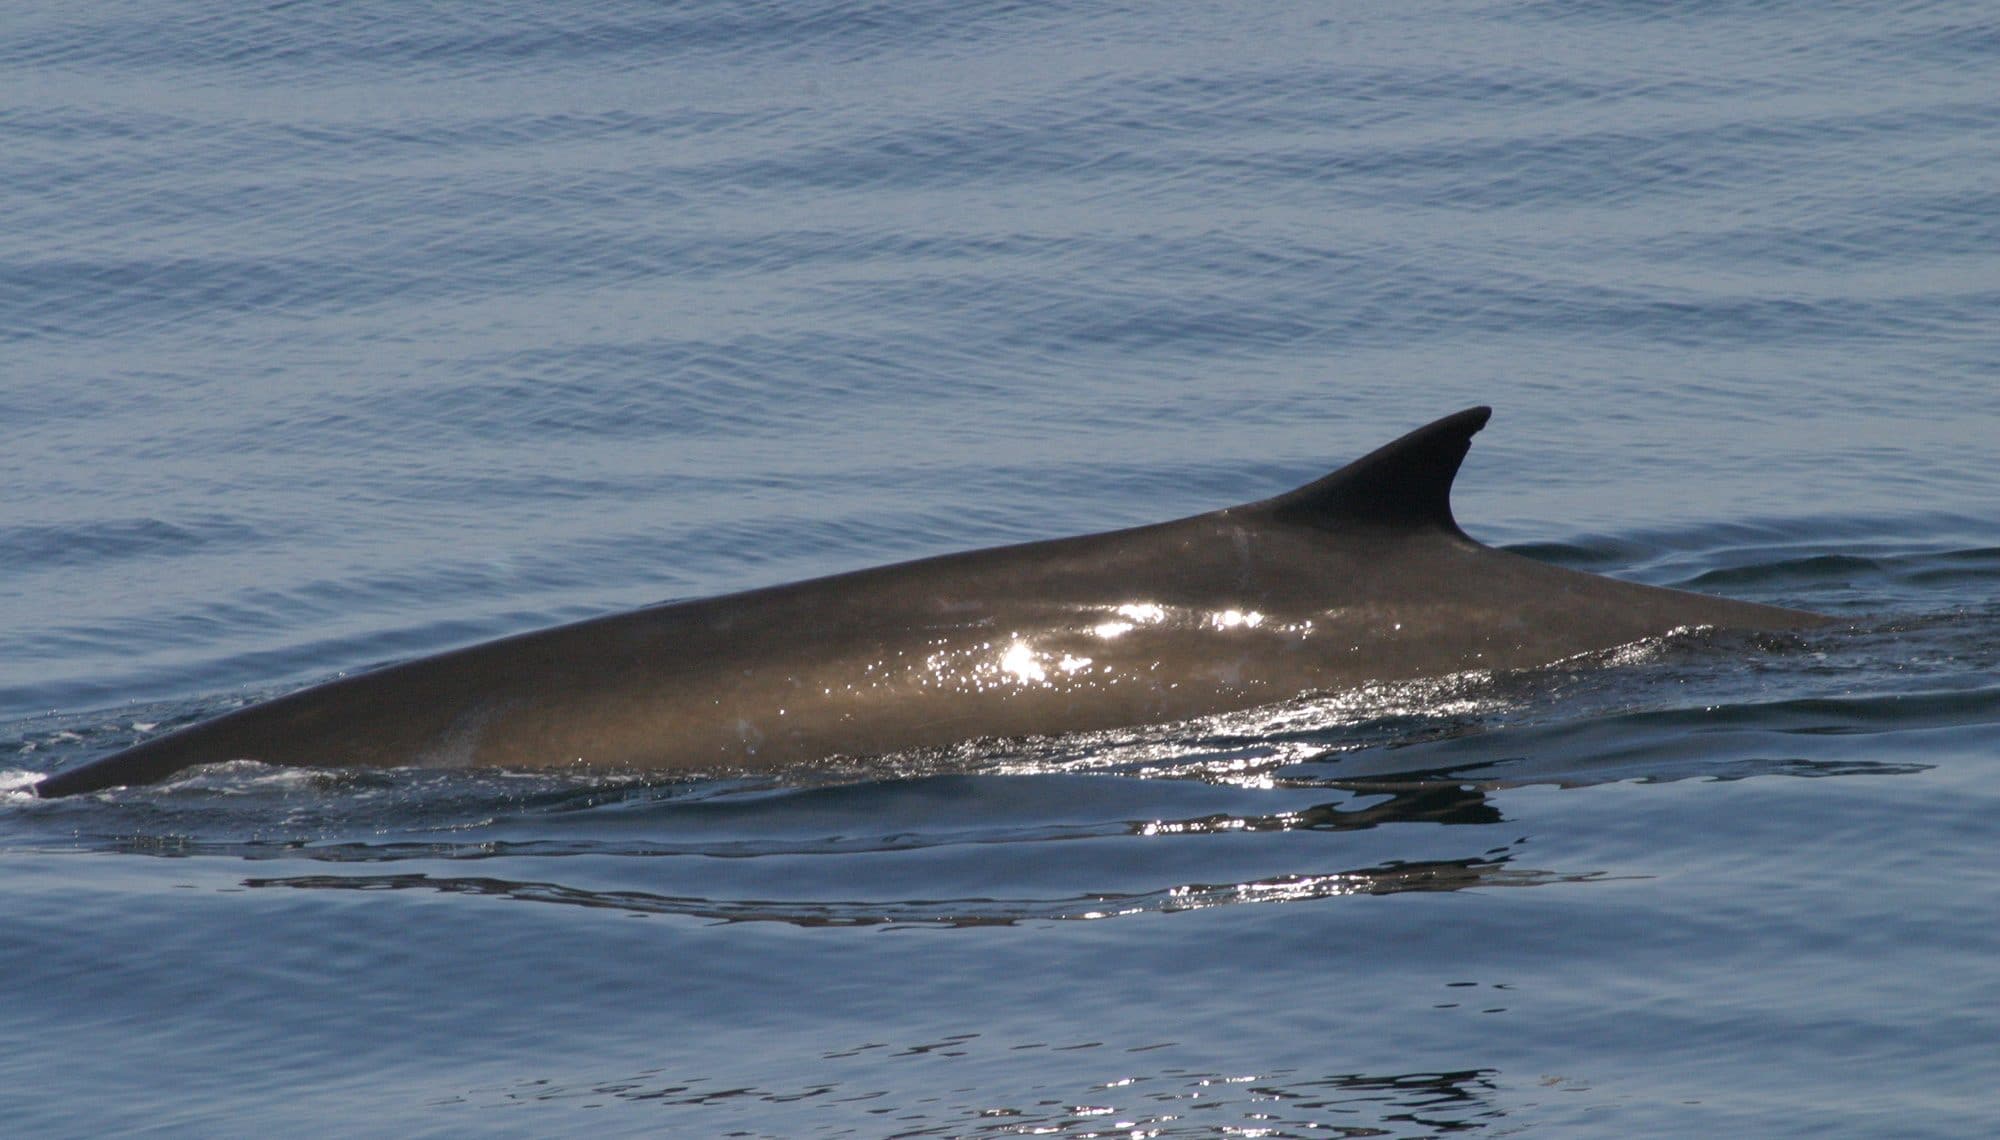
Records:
x=1363, y=576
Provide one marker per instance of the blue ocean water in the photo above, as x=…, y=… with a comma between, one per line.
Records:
x=333, y=335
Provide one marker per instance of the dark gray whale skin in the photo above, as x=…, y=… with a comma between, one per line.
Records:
x=1359, y=577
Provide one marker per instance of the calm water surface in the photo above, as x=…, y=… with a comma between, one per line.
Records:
x=332, y=336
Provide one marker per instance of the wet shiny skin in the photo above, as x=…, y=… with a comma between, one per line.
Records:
x=1359, y=577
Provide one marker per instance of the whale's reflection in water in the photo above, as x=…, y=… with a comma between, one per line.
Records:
x=1445, y=875
x=1072, y=898
x=1130, y=1090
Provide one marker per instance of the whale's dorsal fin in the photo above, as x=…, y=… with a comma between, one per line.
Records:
x=1403, y=485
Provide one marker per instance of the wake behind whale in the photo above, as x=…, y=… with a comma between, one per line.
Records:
x=1362, y=576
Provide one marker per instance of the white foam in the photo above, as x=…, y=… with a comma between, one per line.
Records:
x=17, y=785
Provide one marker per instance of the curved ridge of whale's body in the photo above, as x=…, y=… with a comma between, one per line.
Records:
x=1362, y=576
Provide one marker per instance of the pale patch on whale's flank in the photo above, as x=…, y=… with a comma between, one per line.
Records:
x=459, y=746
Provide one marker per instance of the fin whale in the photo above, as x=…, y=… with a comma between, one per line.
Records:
x=1358, y=577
